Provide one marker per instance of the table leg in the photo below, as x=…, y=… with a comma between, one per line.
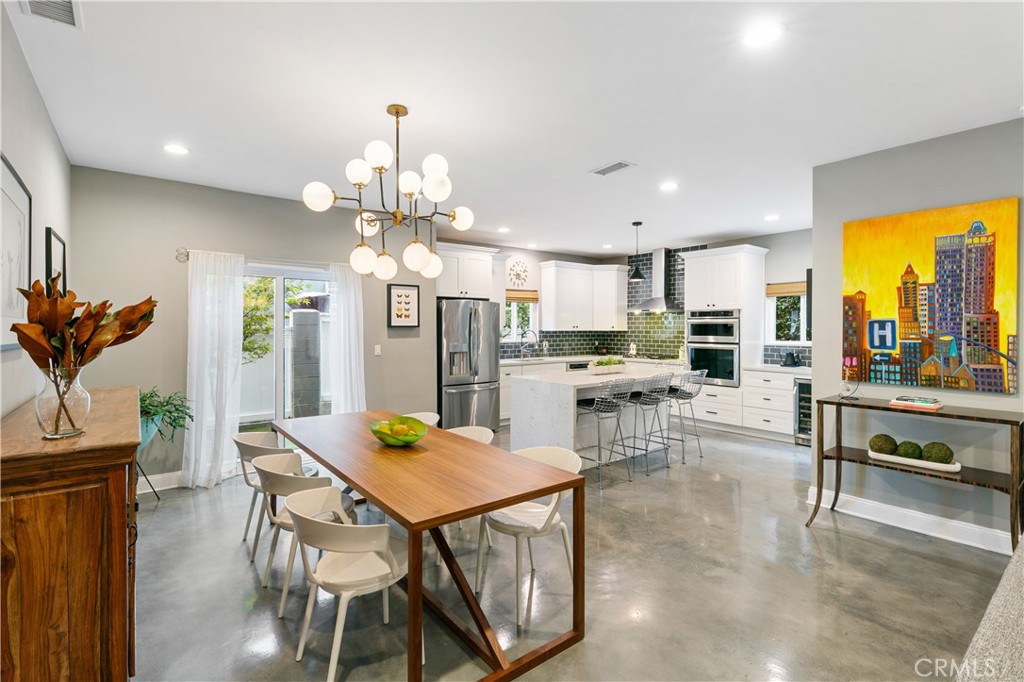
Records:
x=839, y=456
x=820, y=462
x=1015, y=494
x=414, y=589
x=578, y=561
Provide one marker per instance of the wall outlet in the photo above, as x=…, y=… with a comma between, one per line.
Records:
x=544, y=345
x=377, y=349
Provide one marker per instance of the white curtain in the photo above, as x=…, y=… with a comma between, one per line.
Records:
x=348, y=381
x=215, y=282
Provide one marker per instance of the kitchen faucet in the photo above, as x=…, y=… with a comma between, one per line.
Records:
x=527, y=346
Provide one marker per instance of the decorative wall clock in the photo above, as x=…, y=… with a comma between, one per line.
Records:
x=517, y=272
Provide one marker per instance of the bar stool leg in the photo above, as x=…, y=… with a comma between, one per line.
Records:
x=693, y=416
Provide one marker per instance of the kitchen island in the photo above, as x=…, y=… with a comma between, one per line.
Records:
x=543, y=408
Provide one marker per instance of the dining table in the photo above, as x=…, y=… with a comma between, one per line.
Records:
x=440, y=479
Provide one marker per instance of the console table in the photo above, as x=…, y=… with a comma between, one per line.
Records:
x=67, y=548
x=1009, y=483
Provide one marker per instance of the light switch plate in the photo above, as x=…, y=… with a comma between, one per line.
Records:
x=376, y=349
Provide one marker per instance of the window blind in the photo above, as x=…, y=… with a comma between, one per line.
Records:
x=522, y=296
x=786, y=289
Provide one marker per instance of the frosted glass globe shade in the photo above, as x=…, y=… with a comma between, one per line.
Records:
x=385, y=268
x=379, y=155
x=435, y=163
x=433, y=267
x=409, y=182
x=317, y=196
x=371, y=223
x=363, y=259
x=437, y=187
x=358, y=172
x=416, y=256
x=463, y=219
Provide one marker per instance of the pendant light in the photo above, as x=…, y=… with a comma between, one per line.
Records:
x=635, y=275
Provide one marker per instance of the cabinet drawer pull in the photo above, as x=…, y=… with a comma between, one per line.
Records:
x=710, y=412
x=711, y=395
x=767, y=381
x=767, y=421
x=767, y=399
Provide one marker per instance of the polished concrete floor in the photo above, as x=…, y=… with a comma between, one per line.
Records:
x=699, y=571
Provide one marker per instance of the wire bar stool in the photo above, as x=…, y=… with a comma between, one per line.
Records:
x=612, y=397
x=684, y=388
x=648, y=400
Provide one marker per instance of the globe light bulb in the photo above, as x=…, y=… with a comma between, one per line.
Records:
x=409, y=183
x=317, y=196
x=462, y=218
x=379, y=155
x=386, y=267
x=371, y=223
x=358, y=172
x=363, y=259
x=436, y=187
x=416, y=255
x=435, y=163
x=433, y=267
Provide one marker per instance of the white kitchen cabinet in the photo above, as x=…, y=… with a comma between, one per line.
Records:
x=504, y=397
x=723, y=405
x=728, y=278
x=768, y=399
x=466, y=272
x=566, y=296
x=609, y=292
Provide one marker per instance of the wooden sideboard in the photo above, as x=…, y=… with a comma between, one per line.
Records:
x=67, y=554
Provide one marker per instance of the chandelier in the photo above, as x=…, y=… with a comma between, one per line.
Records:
x=434, y=187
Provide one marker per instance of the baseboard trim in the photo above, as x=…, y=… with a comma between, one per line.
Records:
x=164, y=481
x=962, y=532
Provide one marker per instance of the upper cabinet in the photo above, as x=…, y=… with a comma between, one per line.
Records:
x=576, y=297
x=730, y=277
x=466, y=272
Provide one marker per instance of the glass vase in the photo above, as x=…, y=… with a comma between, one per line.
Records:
x=62, y=406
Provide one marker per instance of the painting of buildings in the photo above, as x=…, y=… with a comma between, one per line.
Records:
x=944, y=283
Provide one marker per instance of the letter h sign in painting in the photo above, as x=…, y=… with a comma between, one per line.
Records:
x=882, y=334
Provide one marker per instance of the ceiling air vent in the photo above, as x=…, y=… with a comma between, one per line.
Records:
x=62, y=11
x=612, y=168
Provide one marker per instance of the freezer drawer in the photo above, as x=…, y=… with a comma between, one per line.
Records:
x=470, y=405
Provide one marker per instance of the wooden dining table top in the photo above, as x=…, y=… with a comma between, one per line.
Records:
x=440, y=479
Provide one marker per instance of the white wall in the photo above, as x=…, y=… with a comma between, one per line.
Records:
x=976, y=165
x=30, y=143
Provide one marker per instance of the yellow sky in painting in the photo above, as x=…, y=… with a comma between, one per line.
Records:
x=876, y=252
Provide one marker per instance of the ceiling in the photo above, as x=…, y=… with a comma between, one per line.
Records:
x=524, y=99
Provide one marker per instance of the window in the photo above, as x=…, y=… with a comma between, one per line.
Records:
x=786, y=320
x=519, y=317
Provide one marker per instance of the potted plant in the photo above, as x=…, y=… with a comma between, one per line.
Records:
x=607, y=365
x=162, y=414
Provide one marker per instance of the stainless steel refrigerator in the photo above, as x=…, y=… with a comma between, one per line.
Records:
x=468, y=333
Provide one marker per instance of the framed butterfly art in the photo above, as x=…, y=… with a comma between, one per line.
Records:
x=403, y=305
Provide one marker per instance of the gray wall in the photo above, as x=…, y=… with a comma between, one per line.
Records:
x=789, y=254
x=975, y=165
x=127, y=230
x=30, y=143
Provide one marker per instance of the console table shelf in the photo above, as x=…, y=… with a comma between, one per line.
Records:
x=1009, y=483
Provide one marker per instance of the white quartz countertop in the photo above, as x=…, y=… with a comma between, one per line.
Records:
x=586, y=379
x=553, y=359
x=792, y=371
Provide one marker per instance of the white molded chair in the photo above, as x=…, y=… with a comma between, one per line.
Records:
x=356, y=560
x=477, y=433
x=281, y=475
x=250, y=446
x=531, y=519
x=428, y=418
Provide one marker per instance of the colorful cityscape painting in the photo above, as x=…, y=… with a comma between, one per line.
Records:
x=930, y=298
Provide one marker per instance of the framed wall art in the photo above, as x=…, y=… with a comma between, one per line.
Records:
x=56, y=260
x=930, y=298
x=16, y=253
x=403, y=305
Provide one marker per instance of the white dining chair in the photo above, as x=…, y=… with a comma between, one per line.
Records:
x=281, y=475
x=478, y=433
x=530, y=519
x=428, y=418
x=356, y=560
x=251, y=445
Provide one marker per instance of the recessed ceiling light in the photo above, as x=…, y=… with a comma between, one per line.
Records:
x=669, y=186
x=763, y=34
x=531, y=245
x=606, y=246
x=771, y=217
x=503, y=230
x=175, y=148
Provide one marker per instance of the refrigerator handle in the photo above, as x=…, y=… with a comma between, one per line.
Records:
x=474, y=357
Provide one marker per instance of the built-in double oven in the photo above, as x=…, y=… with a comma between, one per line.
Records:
x=713, y=343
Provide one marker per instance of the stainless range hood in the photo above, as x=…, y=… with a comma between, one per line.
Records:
x=658, y=302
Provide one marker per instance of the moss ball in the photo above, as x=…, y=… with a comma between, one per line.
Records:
x=938, y=452
x=883, y=444
x=909, y=449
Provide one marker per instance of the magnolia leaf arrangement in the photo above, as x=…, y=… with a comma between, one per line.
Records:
x=62, y=335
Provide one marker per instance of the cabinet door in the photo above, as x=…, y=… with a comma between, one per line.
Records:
x=699, y=287
x=726, y=281
x=475, y=275
x=582, y=303
x=504, y=392
x=609, y=300
x=565, y=305
x=449, y=279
